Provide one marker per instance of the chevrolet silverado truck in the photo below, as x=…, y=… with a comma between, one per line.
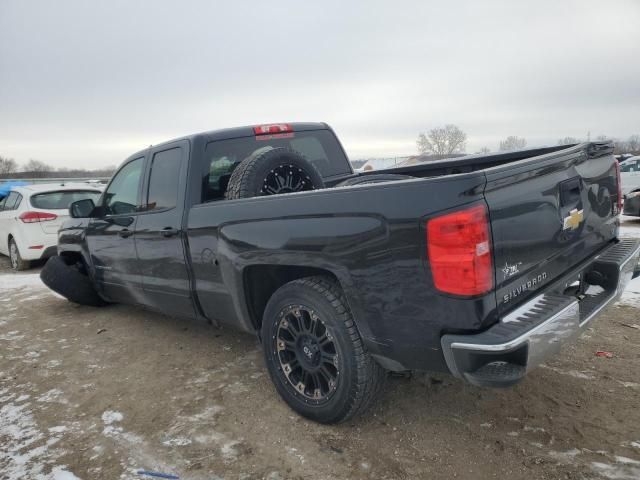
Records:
x=481, y=266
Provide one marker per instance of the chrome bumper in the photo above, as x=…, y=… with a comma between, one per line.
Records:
x=523, y=339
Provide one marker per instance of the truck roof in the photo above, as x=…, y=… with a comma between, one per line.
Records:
x=236, y=132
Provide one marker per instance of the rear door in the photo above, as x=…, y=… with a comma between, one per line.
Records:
x=8, y=218
x=549, y=213
x=160, y=240
x=110, y=237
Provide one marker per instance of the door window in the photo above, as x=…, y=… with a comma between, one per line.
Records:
x=122, y=195
x=164, y=180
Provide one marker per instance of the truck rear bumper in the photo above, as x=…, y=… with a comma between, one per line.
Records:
x=502, y=355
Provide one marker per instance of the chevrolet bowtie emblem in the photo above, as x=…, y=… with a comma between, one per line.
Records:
x=573, y=220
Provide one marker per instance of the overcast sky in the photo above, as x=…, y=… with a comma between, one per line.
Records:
x=86, y=83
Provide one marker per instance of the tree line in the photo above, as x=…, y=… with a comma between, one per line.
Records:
x=9, y=168
x=449, y=140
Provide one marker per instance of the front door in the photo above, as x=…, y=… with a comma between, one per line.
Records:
x=160, y=240
x=111, y=239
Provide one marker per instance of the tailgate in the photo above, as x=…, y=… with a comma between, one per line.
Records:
x=549, y=213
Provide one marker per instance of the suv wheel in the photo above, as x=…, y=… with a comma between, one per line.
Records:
x=314, y=352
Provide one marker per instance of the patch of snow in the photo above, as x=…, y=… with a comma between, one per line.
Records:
x=565, y=457
x=61, y=473
x=527, y=428
x=110, y=416
x=52, y=396
x=18, y=281
x=53, y=363
x=177, y=442
x=24, y=454
x=617, y=471
x=629, y=384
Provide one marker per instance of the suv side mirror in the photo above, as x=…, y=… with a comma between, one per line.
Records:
x=82, y=208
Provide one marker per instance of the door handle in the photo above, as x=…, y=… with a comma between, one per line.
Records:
x=125, y=233
x=169, y=232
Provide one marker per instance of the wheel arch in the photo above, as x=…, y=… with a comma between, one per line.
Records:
x=260, y=282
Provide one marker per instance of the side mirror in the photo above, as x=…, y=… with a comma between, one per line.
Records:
x=82, y=208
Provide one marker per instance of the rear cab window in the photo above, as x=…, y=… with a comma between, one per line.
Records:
x=320, y=147
x=61, y=200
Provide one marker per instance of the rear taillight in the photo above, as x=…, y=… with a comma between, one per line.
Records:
x=274, y=128
x=619, y=182
x=35, y=217
x=459, y=251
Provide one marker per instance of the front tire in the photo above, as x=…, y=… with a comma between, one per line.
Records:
x=67, y=279
x=314, y=353
x=17, y=263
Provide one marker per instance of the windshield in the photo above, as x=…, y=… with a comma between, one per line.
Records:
x=61, y=200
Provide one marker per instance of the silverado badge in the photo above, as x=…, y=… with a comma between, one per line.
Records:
x=573, y=220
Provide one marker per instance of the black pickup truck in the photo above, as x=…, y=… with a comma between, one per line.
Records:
x=481, y=266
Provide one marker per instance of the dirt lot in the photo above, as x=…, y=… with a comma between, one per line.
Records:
x=102, y=393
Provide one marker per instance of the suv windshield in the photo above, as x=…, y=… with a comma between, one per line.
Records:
x=61, y=200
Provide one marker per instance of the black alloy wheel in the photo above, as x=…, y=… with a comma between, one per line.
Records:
x=307, y=353
x=286, y=179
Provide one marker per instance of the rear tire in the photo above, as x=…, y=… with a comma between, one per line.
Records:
x=17, y=263
x=324, y=372
x=273, y=172
x=67, y=280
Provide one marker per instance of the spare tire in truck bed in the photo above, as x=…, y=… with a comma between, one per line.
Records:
x=272, y=172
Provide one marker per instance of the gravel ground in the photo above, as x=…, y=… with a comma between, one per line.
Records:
x=103, y=393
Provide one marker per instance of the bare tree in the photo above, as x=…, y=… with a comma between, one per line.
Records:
x=601, y=138
x=37, y=166
x=512, y=142
x=633, y=144
x=620, y=146
x=7, y=165
x=442, y=141
x=484, y=150
x=568, y=141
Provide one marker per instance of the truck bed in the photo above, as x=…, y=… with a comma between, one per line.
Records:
x=372, y=239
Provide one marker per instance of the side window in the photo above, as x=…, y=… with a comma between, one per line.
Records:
x=122, y=195
x=2, y=202
x=164, y=179
x=13, y=200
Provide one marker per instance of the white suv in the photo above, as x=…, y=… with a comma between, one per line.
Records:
x=31, y=215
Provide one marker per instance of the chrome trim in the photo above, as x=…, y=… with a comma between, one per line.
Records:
x=548, y=336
